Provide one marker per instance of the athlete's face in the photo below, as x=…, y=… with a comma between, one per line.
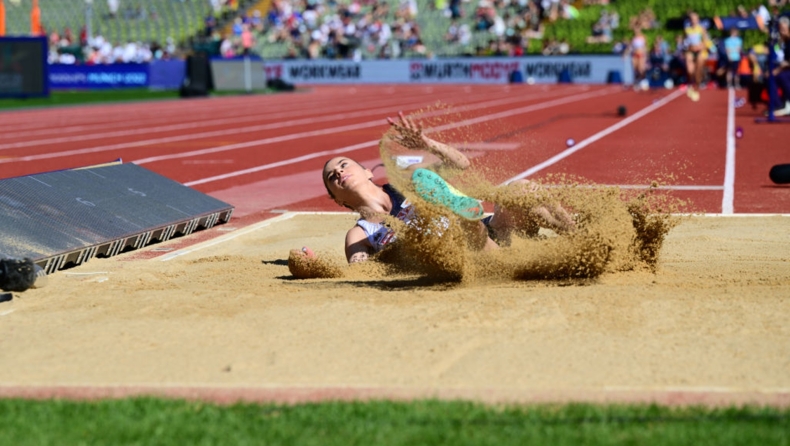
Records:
x=343, y=174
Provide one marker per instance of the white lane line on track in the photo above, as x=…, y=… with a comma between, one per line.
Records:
x=178, y=138
x=165, y=108
x=130, y=113
x=226, y=237
x=197, y=119
x=296, y=111
x=238, y=233
x=729, y=167
x=328, y=131
x=691, y=187
x=605, y=132
x=367, y=144
x=209, y=123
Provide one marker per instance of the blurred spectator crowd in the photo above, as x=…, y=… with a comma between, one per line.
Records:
x=326, y=29
x=315, y=29
x=69, y=49
x=728, y=61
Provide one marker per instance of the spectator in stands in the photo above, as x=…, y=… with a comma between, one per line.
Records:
x=551, y=9
x=256, y=22
x=781, y=107
x=314, y=48
x=551, y=47
x=226, y=48
x=534, y=24
x=456, y=11
x=347, y=37
x=247, y=39
x=464, y=35
x=733, y=47
x=677, y=61
x=567, y=11
x=602, y=29
x=411, y=40
x=453, y=31
x=563, y=47
x=209, y=23
x=112, y=6
x=646, y=19
x=409, y=7
x=216, y=6
x=621, y=47
x=659, y=59
x=238, y=26
x=484, y=16
x=697, y=43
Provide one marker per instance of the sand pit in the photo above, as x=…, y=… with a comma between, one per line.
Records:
x=713, y=317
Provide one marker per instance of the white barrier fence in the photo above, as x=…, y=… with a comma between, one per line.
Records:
x=229, y=75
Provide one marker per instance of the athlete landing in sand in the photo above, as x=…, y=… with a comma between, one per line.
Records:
x=350, y=185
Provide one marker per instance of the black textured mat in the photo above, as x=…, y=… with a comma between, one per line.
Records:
x=67, y=217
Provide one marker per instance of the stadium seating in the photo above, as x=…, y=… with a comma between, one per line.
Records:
x=434, y=25
x=136, y=20
x=158, y=20
x=664, y=10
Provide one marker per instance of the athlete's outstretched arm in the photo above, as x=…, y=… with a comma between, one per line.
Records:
x=357, y=245
x=409, y=134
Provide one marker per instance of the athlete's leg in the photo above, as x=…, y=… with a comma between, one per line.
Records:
x=434, y=189
x=547, y=214
x=691, y=68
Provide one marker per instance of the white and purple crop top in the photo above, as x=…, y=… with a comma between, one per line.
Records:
x=380, y=235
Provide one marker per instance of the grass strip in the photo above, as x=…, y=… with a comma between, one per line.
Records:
x=80, y=97
x=77, y=97
x=429, y=422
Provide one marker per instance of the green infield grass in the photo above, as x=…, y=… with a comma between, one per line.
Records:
x=159, y=421
x=77, y=97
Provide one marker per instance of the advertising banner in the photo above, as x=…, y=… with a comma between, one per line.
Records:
x=252, y=74
x=96, y=77
x=336, y=71
x=463, y=70
x=166, y=74
x=583, y=69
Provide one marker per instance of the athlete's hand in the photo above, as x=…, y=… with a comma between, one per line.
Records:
x=409, y=133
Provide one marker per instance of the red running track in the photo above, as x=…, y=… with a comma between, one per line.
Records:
x=264, y=153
